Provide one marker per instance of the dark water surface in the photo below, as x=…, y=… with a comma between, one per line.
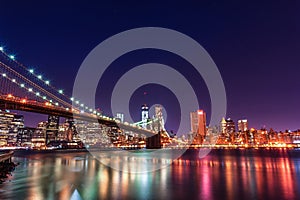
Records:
x=223, y=174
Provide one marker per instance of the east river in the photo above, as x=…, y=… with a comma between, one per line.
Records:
x=222, y=174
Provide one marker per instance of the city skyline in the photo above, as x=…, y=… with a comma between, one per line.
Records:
x=261, y=83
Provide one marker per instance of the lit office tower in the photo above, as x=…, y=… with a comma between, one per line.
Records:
x=52, y=128
x=15, y=125
x=145, y=115
x=198, y=122
x=120, y=116
x=230, y=126
x=5, y=120
x=223, y=125
x=243, y=125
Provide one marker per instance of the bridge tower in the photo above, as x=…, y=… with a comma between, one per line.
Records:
x=160, y=118
x=52, y=128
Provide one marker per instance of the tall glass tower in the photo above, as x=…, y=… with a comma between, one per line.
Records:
x=145, y=115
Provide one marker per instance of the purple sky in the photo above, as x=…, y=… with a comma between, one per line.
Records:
x=255, y=46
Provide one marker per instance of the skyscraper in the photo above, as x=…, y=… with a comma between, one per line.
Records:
x=230, y=126
x=145, y=115
x=223, y=125
x=243, y=125
x=198, y=122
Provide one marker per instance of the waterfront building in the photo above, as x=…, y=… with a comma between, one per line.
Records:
x=16, y=123
x=198, y=122
x=9, y=125
x=5, y=120
x=52, y=128
x=229, y=127
x=24, y=136
x=243, y=125
x=223, y=125
x=39, y=136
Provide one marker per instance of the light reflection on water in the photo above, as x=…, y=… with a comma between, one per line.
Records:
x=221, y=175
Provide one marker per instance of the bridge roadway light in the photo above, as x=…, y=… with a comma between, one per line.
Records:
x=47, y=82
x=82, y=105
x=44, y=97
x=31, y=71
x=1, y=49
x=13, y=80
x=56, y=104
x=29, y=89
x=60, y=91
x=12, y=57
x=39, y=76
x=22, y=85
x=77, y=102
x=4, y=75
x=37, y=94
x=72, y=98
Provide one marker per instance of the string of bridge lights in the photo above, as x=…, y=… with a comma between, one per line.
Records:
x=46, y=82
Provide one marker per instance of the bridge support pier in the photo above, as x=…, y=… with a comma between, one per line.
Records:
x=154, y=142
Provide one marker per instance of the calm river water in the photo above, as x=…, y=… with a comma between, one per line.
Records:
x=222, y=174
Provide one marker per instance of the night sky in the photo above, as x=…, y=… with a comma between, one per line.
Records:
x=256, y=46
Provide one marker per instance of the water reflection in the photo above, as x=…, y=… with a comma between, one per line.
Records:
x=217, y=176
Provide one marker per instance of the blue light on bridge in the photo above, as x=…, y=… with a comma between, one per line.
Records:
x=47, y=82
x=1, y=49
x=31, y=71
x=39, y=76
x=60, y=91
x=12, y=57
